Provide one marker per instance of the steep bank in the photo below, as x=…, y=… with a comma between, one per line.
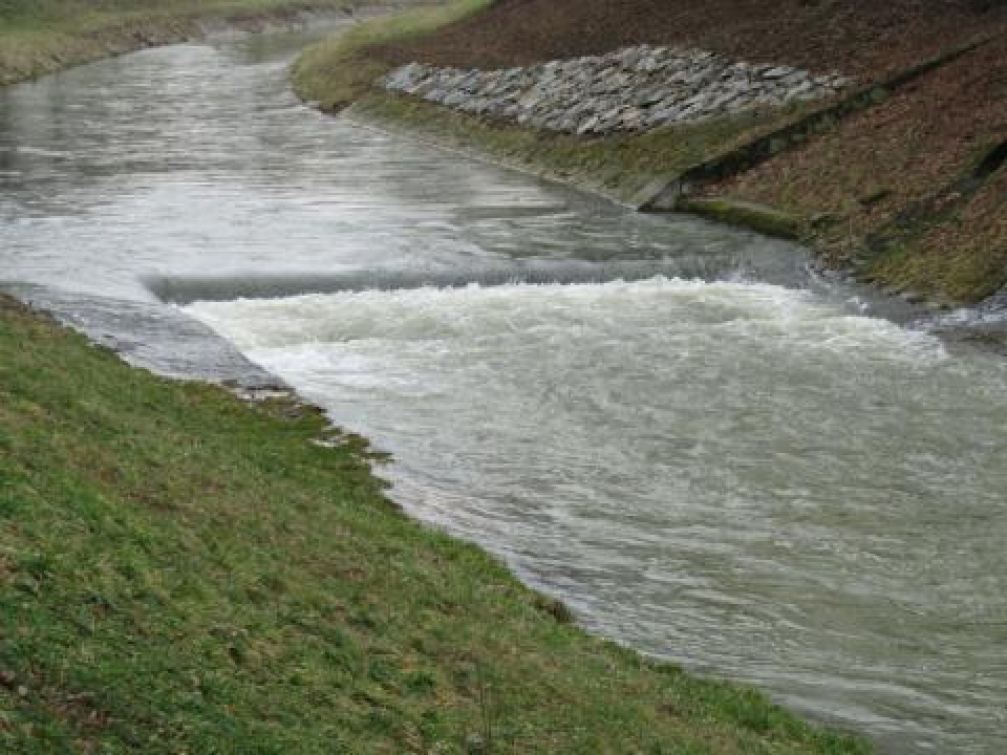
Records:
x=920, y=215
x=43, y=36
x=911, y=191
x=180, y=571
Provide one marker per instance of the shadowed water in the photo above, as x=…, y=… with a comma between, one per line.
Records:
x=709, y=454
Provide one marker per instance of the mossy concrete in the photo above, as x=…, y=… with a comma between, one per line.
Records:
x=626, y=169
x=765, y=220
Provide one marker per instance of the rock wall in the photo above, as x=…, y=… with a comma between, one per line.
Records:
x=633, y=89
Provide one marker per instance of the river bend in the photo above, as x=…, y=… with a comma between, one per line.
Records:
x=708, y=453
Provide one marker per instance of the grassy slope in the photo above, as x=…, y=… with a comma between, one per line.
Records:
x=862, y=175
x=182, y=572
x=964, y=256
x=42, y=36
x=339, y=70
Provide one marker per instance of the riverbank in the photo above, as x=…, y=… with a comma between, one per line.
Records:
x=38, y=37
x=242, y=563
x=181, y=570
x=922, y=216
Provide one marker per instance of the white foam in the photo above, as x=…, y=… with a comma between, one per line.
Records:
x=608, y=310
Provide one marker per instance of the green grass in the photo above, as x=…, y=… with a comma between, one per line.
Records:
x=182, y=572
x=42, y=36
x=339, y=70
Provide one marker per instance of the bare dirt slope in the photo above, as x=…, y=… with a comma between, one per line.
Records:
x=864, y=38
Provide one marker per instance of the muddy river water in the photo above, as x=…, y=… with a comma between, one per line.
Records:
x=708, y=452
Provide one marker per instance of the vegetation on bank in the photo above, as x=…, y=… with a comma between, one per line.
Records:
x=337, y=71
x=42, y=36
x=891, y=192
x=184, y=572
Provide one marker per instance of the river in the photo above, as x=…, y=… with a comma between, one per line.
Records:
x=710, y=453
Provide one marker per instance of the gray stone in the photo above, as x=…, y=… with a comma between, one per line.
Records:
x=588, y=125
x=633, y=89
x=777, y=73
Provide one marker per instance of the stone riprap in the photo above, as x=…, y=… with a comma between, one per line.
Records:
x=633, y=89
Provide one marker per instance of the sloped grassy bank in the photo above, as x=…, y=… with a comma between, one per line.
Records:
x=43, y=36
x=182, y=571
x=918, y=215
